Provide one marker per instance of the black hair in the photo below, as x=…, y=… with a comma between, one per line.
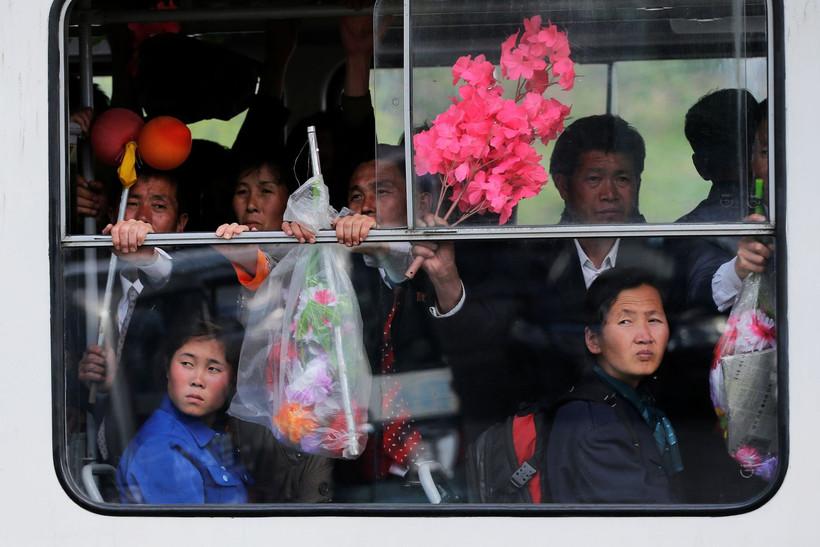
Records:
x=391, y=153
x=184, y=188
x=605, y=133
x=227, y=332
x=718, y=127
x=605, y=289
x=246, y=160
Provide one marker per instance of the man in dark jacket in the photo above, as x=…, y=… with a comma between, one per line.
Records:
x=404, y=353
x=519, y=334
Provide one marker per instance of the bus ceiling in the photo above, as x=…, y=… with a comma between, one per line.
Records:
x=601, y=31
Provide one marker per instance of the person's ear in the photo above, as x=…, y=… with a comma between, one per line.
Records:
x=592, y=340
x=562, y=185
x=181, y=222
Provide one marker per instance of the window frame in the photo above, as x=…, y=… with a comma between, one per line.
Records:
x=61, y=241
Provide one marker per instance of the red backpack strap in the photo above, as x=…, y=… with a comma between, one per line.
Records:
x=524, y=442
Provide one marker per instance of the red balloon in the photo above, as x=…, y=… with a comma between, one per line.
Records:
x=164, y=143
x=112, y=130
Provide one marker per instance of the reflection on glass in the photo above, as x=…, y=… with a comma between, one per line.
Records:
x=443, y=373
x=651, y=95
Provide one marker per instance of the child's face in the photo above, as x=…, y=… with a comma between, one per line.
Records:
x=199, y=378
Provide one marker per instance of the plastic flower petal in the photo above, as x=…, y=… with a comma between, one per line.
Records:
x=294, y=421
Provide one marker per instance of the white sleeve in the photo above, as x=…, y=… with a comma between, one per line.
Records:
x=726, y=285
x=437, y=314
x=158, y=271
x=393, y=261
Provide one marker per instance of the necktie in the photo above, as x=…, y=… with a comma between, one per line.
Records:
x=132, y=300
x=400, y=440
x=118, y=395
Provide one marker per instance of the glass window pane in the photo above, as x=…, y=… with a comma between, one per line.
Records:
x=655, y=97
x=517, y=338
x=489, y=153
x=386, y=391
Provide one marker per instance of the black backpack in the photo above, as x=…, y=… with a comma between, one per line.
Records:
x=494, y=474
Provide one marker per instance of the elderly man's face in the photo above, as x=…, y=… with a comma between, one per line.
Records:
x=154, y=200
x=602, y=190
x=634, y=335
x=377, y=190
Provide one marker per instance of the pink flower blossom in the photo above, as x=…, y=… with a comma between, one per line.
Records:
x=565, y=69
x=477, y=72
x=481, y=145
x=324, y=297
x=748, y=457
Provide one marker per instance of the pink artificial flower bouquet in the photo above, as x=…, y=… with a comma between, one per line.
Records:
x=482, y=145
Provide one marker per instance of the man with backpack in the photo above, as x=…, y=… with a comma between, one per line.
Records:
x=605, y=441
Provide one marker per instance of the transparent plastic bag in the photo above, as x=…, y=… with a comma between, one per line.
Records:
x=303, y=371
x=743, y=379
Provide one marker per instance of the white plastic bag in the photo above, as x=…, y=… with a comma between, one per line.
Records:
x=743, y=379
x=303, y=371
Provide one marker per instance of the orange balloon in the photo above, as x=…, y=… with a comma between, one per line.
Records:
x=111, y=131
x=164, y=143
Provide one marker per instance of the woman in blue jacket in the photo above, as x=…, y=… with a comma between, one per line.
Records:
x=183, y=453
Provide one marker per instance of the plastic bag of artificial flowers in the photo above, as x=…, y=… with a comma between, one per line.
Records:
x=743, y=379
x=303, y=371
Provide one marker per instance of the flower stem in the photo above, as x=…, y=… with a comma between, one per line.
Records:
x=455, y=202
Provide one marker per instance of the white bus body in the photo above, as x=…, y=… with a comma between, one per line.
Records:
x=36, y=509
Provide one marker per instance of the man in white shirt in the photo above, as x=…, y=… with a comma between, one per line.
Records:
x=398, y=316
x=520, y=331
x=153, y=206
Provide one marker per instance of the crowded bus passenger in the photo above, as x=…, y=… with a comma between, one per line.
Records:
x=259, y=198
x=141, y=309
x=397, y=317
x=620, y=448
x=525, y=321
x=184, y=453
x=752, y=254
x=720, y=127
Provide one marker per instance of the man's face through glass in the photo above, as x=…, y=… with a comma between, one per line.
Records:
x=154, y=200
x=377, y=190
x=602, y=190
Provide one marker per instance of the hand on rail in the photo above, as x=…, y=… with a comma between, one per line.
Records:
x=439, y=262
x=91, y=198
x=83, y=118
x=752, y=254
x=94, y=369
x=302, y=234
x=352, y=230
x=128, y=237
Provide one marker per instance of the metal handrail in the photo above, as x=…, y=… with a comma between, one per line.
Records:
x=454, y=233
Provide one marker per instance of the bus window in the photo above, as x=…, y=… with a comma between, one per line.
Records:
x=566, y=257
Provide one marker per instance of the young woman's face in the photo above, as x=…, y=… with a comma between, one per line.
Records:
x=199, y=378
x=259, y=199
